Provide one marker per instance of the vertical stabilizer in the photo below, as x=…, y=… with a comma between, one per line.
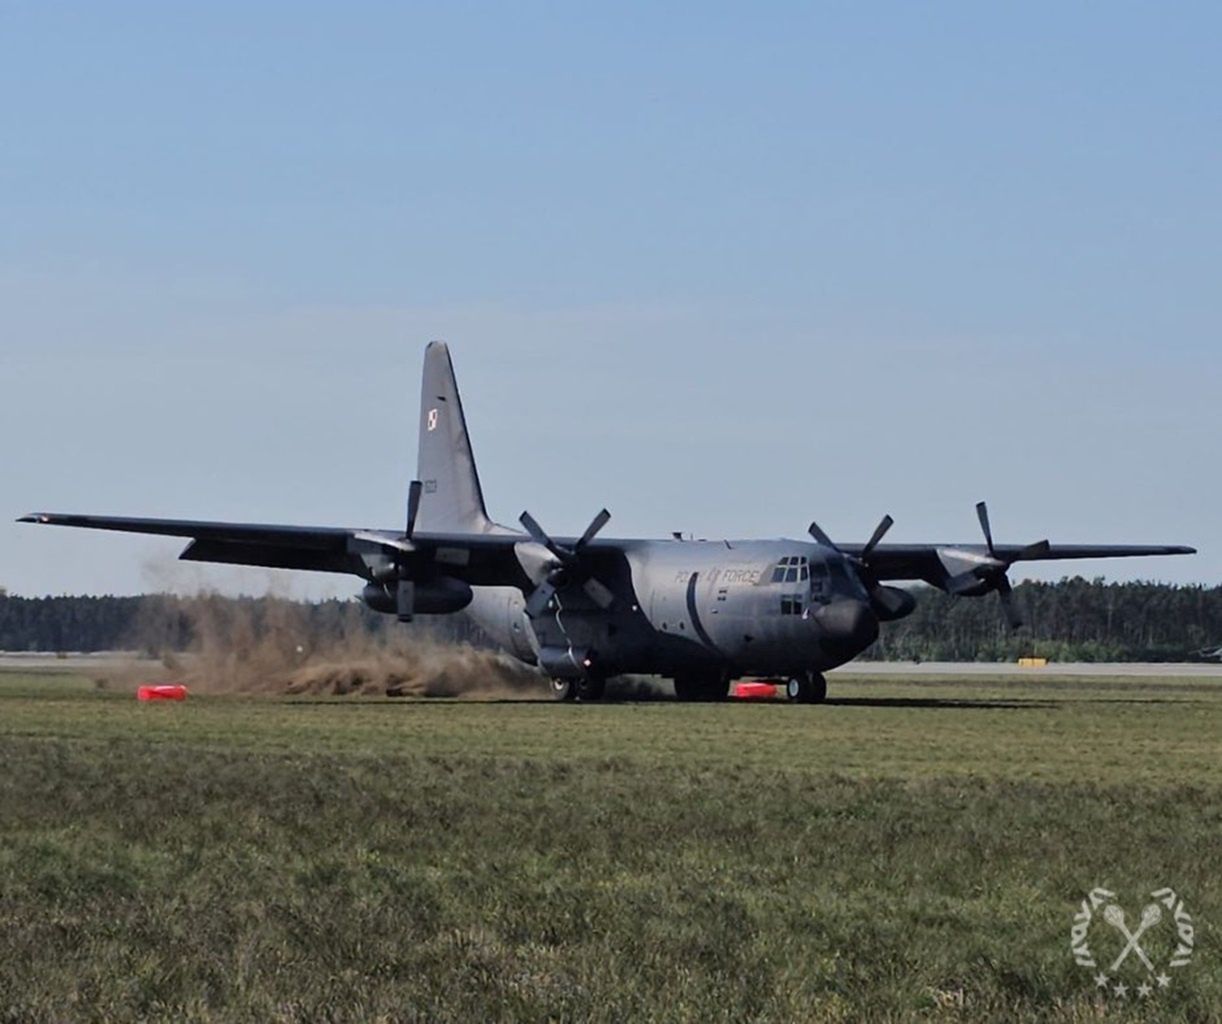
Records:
x=452, y=500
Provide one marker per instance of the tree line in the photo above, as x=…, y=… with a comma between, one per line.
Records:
x=158, y=623
x=1071, y=620
x=1074, y=619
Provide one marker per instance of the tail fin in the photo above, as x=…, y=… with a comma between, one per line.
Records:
x=452, y=500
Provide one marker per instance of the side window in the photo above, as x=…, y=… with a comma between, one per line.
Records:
x=791, y=604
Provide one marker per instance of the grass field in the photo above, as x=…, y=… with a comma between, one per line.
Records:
x=906, y=852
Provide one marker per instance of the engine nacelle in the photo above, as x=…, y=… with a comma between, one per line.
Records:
x=438, y=596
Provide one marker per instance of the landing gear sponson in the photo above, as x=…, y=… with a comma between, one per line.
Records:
x=805, y=688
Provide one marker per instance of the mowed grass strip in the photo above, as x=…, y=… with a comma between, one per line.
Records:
x=907, y=853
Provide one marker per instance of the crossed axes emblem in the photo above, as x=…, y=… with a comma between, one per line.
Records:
x=1113, y=914
x=1164, y=906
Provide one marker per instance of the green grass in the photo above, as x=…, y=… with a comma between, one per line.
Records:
x=909, y=852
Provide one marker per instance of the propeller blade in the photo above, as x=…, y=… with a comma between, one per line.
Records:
x=1005, y=594
x=537, y=534
x=534, y=529
x=405, y=600
x=982, y=513
x=880, y=531
x=596, y=524
x=413, y=507
x=815, y=531
x=540, y=598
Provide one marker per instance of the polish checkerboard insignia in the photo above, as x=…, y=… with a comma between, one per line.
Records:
x=1136, y=948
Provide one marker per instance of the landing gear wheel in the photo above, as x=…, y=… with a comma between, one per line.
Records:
x=808, y=688
x=590, y=688
x=564, y=689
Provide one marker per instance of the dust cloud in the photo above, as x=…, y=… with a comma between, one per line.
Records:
x=189, y=632
x=219, y=644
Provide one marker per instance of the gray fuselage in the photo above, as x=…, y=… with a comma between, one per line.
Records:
x=769, y=608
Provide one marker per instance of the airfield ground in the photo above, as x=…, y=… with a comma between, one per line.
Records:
x=914, y=849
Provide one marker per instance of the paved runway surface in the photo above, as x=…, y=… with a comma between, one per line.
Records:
x=19, y=661
x=1169, y=670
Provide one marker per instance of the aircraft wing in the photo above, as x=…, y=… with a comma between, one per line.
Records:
x=317, y=548
x=930, y=562
x=489, y=557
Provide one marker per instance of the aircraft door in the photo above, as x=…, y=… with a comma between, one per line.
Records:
x=666, y=608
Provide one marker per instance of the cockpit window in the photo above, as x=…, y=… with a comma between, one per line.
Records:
x=790, y=569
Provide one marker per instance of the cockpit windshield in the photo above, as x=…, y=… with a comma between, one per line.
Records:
x=818, y=579
x=813, y=579
x=791, y=569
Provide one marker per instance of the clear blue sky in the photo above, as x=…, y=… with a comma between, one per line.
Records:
x=723, y=268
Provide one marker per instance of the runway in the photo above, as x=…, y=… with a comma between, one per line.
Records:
x=42, y=661
x=1102, y=669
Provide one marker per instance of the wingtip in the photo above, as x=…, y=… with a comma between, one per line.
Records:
x=32, y=517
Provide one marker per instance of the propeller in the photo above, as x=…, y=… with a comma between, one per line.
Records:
x=880, y=531
x=888, y=603
x=990, y=574
x=568, y=565
x=405, y=588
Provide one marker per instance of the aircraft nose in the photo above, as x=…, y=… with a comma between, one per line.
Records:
x=848, y=626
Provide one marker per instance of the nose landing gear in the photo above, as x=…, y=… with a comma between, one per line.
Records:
x=807, y=688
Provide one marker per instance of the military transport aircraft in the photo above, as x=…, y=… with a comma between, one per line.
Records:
x=585, y=608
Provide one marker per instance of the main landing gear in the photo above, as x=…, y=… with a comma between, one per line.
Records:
x=807, y=688
x=590, y=688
